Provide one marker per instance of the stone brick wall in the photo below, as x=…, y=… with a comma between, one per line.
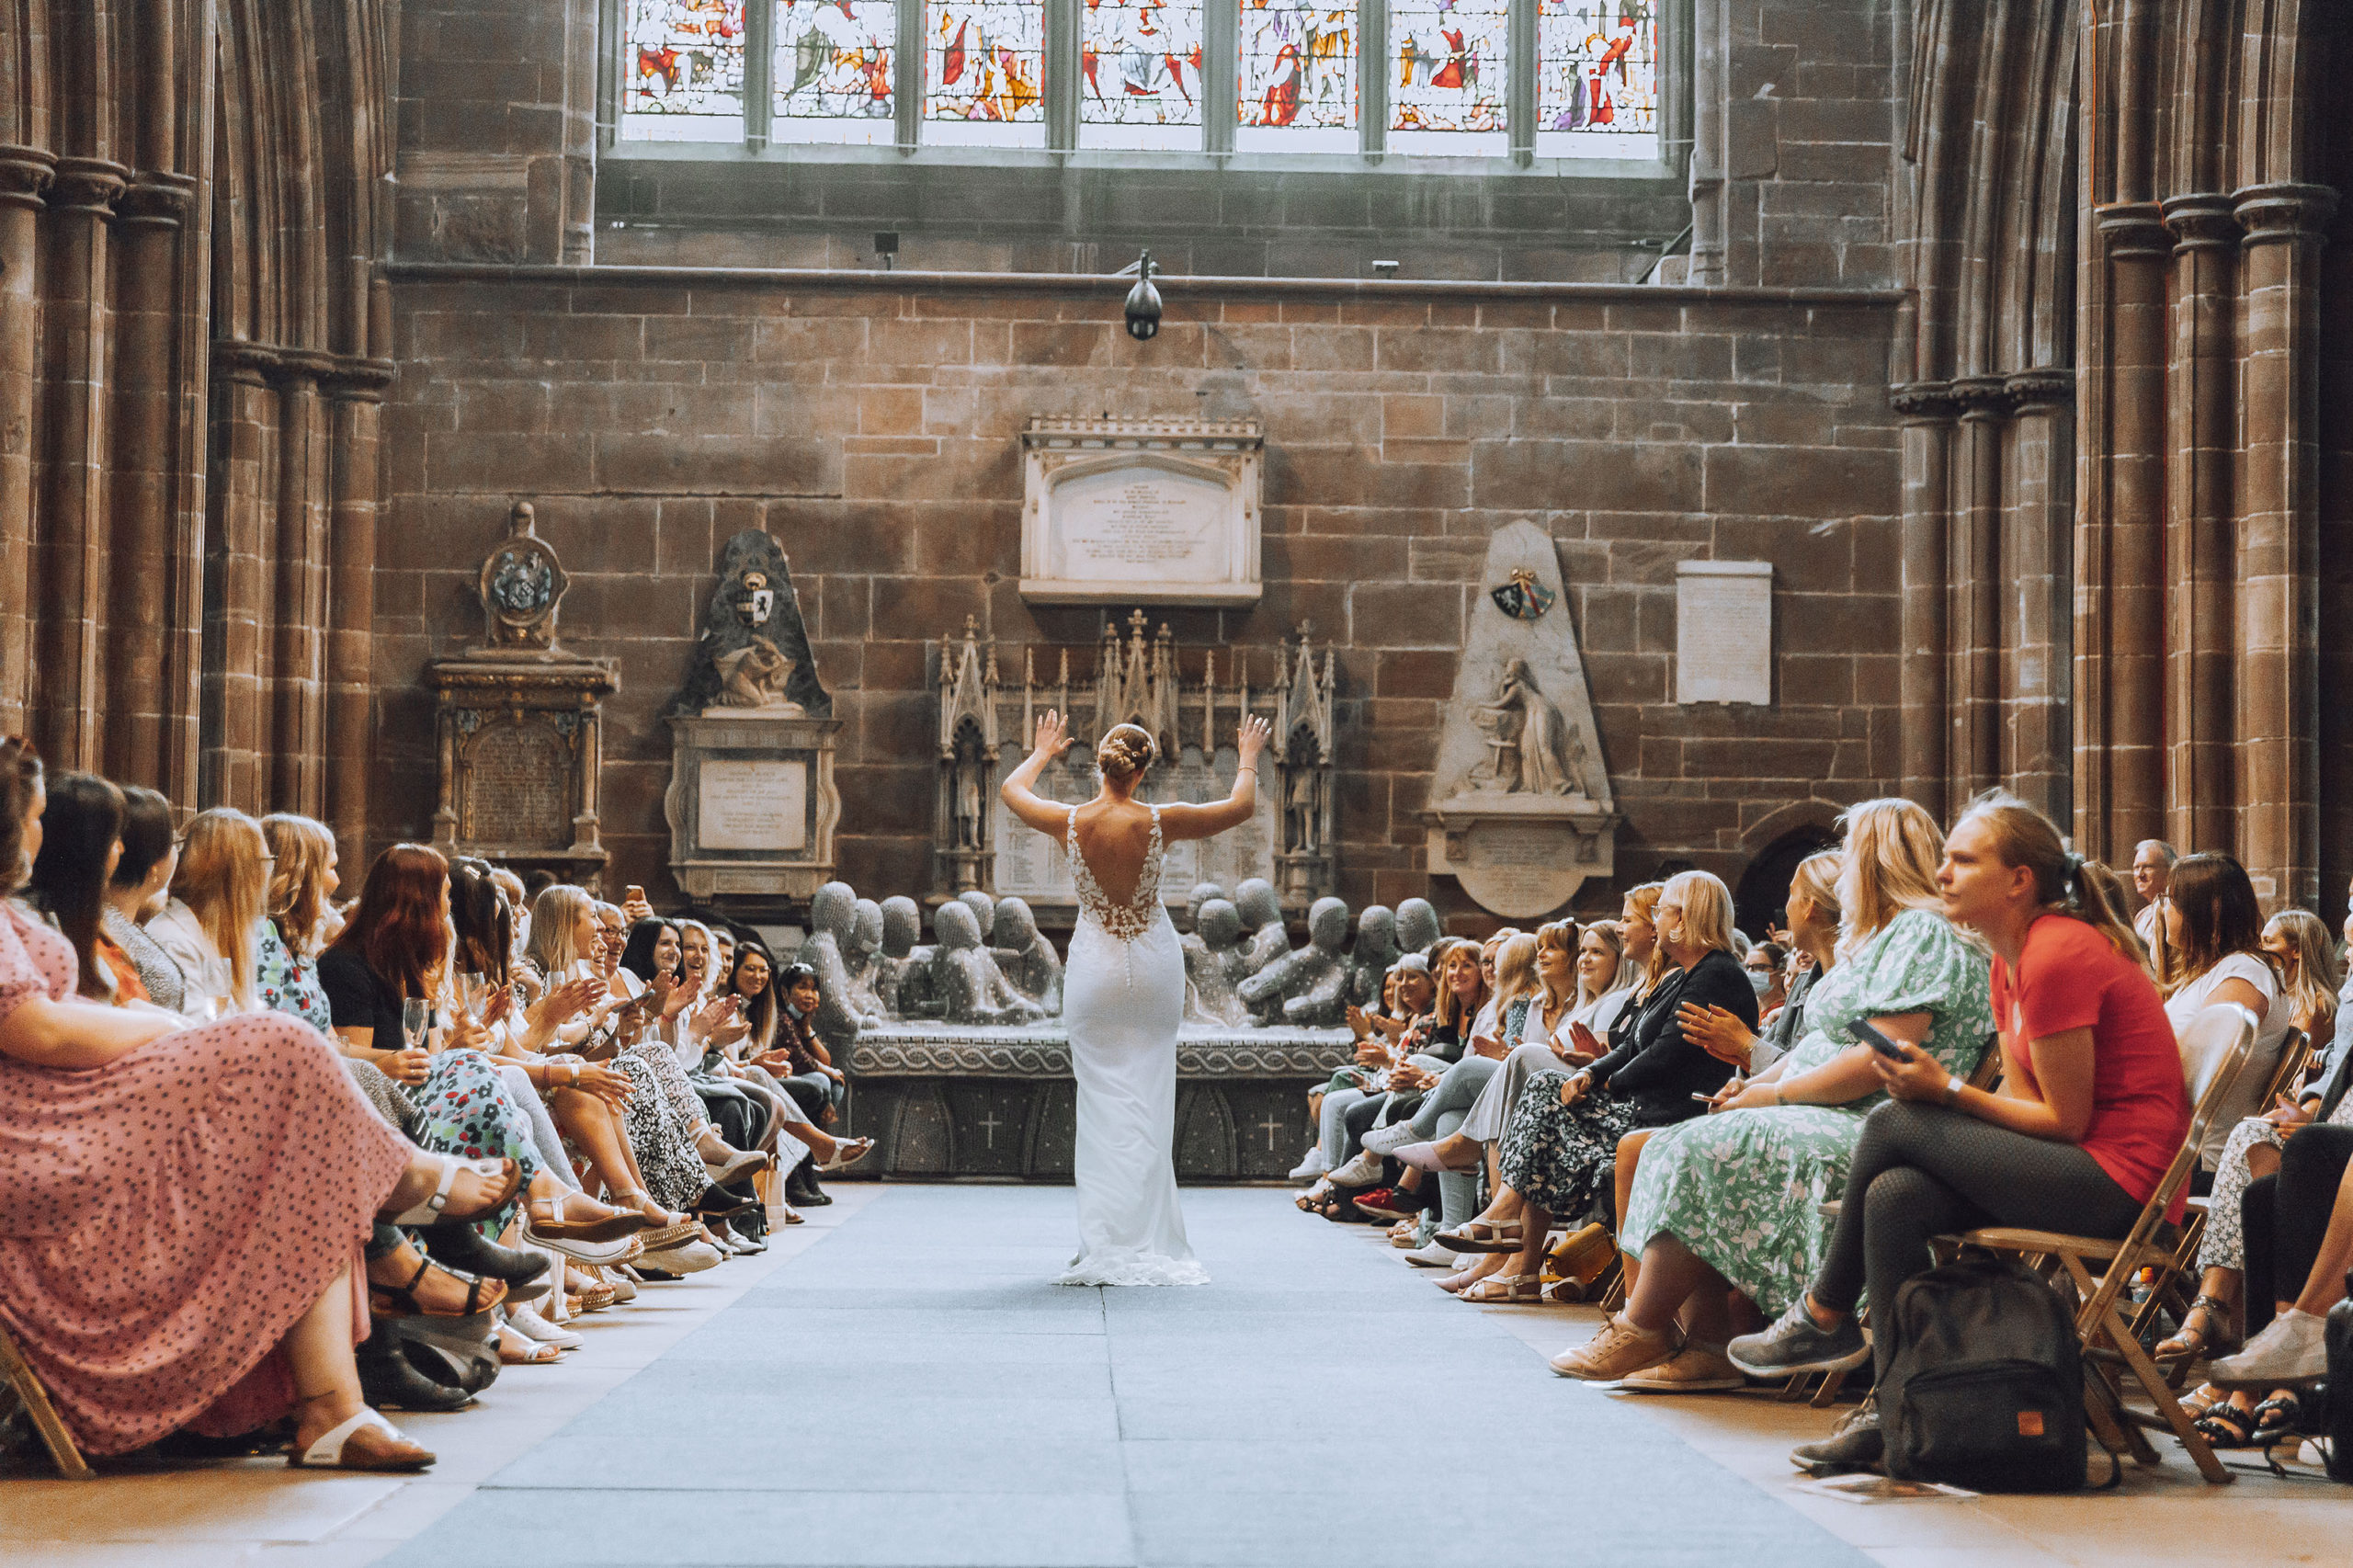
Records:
x=871, y=425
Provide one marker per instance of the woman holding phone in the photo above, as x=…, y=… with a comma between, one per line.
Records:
x=2091, y=1111
x=1733, y=1200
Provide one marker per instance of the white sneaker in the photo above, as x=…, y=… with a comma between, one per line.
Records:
x=2291, y=1348
x=1314, y=1165
x=1389, y=1139
x=1433, y=1256
x=692, y=1257
x=538, y=1328
x=1362, y=1171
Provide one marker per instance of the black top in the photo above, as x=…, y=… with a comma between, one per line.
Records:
x=359, y=999
x=1657, y=1068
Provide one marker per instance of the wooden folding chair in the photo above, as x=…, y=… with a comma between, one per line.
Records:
x=2174, y=1284
x=2214, y=1050
x=17, y=1376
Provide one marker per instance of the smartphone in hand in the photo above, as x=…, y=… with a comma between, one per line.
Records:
x=1869, y=1034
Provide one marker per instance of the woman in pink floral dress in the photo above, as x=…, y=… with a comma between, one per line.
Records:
x=181, y=1209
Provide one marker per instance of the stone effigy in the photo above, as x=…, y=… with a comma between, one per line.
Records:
x=1418, y=927
x=1215, y=966
x=1262, y=916
x=1371, y=959
x=983, y=910
x=1028, y=960
x=965, y=980
x=865, y=945
x=832, y=921
x=902, y=969
x=1307, y=985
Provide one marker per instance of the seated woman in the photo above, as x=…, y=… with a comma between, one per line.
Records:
x=234, y=1304
x=1733, y=1200
x=1561, y=1149
x=81, y=840
x=2299, y=1228
x=1420, y=1052
x=1408, y=991
x=1535, y=991
x=303, y=883
x=1652, y=981
x=2213, y=928
x=2299, y=945
x=2091, y=1111
x=211, y=925
x=389, y=965
x=142, y=874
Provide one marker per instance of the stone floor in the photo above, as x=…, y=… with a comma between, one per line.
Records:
x=894, y=1384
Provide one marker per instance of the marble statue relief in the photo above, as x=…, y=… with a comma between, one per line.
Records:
x=1029, y=962
x=1524, y=739
x=1262, y=916
x=966, y=979
x=1215, y=966
x=1374, y=954
x=1308, y=984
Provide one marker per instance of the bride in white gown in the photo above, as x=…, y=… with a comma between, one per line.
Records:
x=1123, y=995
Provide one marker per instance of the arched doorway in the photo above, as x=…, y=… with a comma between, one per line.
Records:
x=1765, y=886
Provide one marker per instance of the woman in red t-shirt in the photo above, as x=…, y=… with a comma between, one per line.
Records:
x=2091, y=1111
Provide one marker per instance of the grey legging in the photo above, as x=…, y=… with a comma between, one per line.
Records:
x=1491, y=1112
x=1926, y=1171
x=1442, y=1111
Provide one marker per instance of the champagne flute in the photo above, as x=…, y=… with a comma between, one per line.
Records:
x=415, y=1015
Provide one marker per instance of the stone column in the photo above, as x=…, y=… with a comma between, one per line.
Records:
x=2121, y=547
x=2200, y=434
x=1927, y=409
x=24, y=174
x=2279, y=545
x=2038, y=567
x=237, y=553
x=298, y=608
x=70, y=544
x=1973, y=632
x=355, y=394
x=143, y=481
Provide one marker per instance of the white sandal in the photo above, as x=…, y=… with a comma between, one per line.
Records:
x=429, y=1212
x=847, y=1152
x=331, y=1450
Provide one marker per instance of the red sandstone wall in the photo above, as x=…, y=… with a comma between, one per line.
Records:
x=873, y=431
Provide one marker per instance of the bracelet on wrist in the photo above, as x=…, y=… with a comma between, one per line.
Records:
x=1954, y=1086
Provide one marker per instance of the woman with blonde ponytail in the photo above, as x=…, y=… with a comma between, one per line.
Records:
x=211, y=927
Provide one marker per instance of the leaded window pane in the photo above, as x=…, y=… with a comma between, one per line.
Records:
x=1140, y=74
x=985, y=72
x=1596, y=78
x=1449, y=73
x=1297, y=81
x=682, y=70
x=832, y=73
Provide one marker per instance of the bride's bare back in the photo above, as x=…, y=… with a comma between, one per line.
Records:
x=1113, y=831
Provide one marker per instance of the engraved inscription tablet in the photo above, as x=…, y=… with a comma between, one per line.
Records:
x=1723, y=631
x=1121, y=524
x=753, y=804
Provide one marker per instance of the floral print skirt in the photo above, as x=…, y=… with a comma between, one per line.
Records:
x=661, y=1120
x=463, y=1108
x=1561, y=1157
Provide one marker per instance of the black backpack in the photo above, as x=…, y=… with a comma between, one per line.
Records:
x=1984, y=1384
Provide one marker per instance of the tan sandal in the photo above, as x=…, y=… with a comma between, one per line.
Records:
x=1503, y=1287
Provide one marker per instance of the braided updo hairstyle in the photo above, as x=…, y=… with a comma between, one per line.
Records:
x=1125, y=752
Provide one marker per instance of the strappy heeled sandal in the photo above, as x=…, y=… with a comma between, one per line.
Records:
x=435, y=1209
x=1502, y=1288
x=516, y=1348
x=481, y=1294
x=847, y=1152
x=333, y=1450
x=2189, y=1344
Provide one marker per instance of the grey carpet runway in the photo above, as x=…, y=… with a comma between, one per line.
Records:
x=911, y=1390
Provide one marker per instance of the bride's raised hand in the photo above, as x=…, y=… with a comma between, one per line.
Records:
x=1251, y=738
x=1053, y=735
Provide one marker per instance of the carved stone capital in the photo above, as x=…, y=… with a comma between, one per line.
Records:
x=2284, y=213
x=24, y=172
x=2048, y=386
x=1983, y=397
x=156, y=200
x=297, y=366
x=2134, y=229
x=240, y=360
x=87, y=185
x=1923, y=402
x=355, y=380
x=2203, y=221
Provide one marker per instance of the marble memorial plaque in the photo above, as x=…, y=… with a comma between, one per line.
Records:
x=1521, y=869
x=750, y=803
x=1723, y=631
x=1145, y=511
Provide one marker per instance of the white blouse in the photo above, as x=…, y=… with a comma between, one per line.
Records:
x=2278, y=1018
x=212, y=982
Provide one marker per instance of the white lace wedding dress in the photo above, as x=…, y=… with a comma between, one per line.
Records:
x=1123, y=995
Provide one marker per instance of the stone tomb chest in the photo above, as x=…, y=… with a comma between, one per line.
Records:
x=997, y=1100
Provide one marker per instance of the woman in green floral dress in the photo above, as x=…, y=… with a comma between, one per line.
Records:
x=1735, y=1197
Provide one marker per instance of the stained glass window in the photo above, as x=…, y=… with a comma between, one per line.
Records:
x=1298, y=78
x=833, y=68
x=1596, y=78
x=985, y=72
x=1449, y=75
x=682, y=69
x=1140, y=74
